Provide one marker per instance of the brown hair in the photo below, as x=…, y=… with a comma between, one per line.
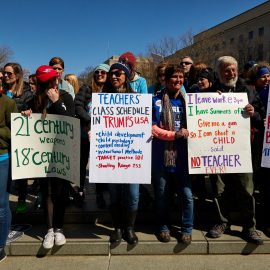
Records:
x=18, y=88
x=194, y=71
x=57, y=60
x=171, y=69
x=252, y=73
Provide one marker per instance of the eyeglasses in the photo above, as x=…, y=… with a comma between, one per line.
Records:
x=8, y=73
x=186, y=63
x=117, y=73
x=31, y=83
x=102, y=72
x=57, y=68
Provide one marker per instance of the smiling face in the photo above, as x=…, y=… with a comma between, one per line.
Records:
x=204, y=83
x=117, y=78
x=228, y=75
x=100, y=76
x=263, y=81
x=9, y=75
x=175, y=82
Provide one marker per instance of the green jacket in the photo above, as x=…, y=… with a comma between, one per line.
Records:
x=7, y=106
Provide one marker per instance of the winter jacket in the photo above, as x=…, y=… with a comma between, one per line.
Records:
x=82, y=105
x=63, y=106
x=25, y=99
x=139, y=84
x=7, y=106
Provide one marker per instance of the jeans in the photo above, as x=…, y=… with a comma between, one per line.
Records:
x=125, y=194
x=163, y=187
x=5, y=213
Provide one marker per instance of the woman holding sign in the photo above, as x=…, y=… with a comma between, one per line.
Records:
x=50, y=100
x=7, y=106
x=124, y=197
x=169, y=155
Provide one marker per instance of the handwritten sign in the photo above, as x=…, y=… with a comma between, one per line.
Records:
x=120, y=149
x=45, y=147
x=266, y=142
x=219, y=133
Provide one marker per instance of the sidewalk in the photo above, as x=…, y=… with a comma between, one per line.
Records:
x=87, y=230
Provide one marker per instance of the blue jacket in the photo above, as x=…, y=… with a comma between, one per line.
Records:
x=139, y=84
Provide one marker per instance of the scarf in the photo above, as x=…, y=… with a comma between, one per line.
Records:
x=167, y=120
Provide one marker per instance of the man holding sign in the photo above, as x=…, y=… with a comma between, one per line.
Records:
x=237, y=186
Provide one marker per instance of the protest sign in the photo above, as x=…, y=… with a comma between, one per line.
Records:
x=45, y=147
x=120, y=149
x=219, y=133
x=266, y=141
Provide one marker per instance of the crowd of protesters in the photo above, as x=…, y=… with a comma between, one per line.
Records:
x=49, y=92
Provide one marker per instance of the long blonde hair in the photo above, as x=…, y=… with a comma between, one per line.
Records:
x=73, y=80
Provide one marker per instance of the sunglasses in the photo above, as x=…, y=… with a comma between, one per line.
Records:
x=1, y=78
x=117, y=73
x=186, y=63
x=8, y=73
x=102, y=72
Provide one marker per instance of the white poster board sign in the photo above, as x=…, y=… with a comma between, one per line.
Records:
x=266, y=141
x=45, y=147
x=120, y=145
x=219, y=133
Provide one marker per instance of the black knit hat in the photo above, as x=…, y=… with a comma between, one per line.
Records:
x=206, y=73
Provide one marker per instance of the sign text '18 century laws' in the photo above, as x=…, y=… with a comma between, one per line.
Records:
x=120, y=150
x=219, y=133
x=266, y=141
x=45, y=147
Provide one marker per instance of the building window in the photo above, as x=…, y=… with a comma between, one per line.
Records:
x=250, y=53
x=223, y=44
x=261, y=31
x=260, y=52
x=250, y=35
x=241, y=38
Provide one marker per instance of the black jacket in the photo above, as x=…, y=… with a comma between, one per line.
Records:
x=63, y=106
x=23, y=102
x=82, y=99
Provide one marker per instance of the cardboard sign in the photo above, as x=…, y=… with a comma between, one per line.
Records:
x=266, y=141
x=45, y=147
x=120, y=146
x=219, y=133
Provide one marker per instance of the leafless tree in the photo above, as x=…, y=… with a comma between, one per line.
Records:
x=5, y=54
x=85, y=77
